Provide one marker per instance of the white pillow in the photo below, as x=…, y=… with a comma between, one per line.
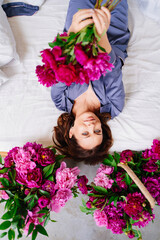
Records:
x=7, y=42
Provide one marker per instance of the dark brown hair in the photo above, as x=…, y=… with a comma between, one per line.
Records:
x=69, y=146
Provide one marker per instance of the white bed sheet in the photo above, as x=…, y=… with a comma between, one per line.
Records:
x=27, y=112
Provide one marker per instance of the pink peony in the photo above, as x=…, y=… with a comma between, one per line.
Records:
x=66, y=177
x=126, y=156
x=3, y=194
x=32, y=217
x=45, y=156
x=45, y=76
x=23, y=161
x=105, y=169
x=43, y=201
x=102, y=180
x=66, y=74
x=49, y=186
x=100, y=218
x=82, y=184
x=80, y=55
x=32, y=179
x=59, y=200
x=145, y=218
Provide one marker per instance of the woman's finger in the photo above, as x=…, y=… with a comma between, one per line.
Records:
x=85, y=23
x=107, y=12
x=82, y=14
x=97, y=23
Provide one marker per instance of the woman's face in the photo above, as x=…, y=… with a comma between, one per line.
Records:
x=87, y=130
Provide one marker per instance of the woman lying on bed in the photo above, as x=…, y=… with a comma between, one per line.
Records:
x=82, y=132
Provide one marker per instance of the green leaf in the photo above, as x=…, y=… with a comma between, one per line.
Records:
x=42, y=218
x=32, y=203
x=110, y=161
x=53, y=220
x=127, y=179
x=101, y=48
x=3, y=234
x=115, y=200
x=48, y=170
x=28, y=197
x=50, y=178
x=0, y=159
x=95, y=33
x=3, y=170
x=10, y=194
x=31, y=227
x=111, y=199
x=116, y=157
x=8, y=203
x=5, y=182
x=11, y=234
x=41, y=230
x=44, y=193
x=100, y=189
x=59, y=157
x=94, y=50
x=43, y=211
x=47, y=220
x=83, y=202
x=83, y=209
x=7, y=216
x=34, y=234
x=5, y=225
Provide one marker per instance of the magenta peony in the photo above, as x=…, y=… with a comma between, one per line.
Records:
x=49, y=186
x=126, y=156
x=66, y=74
x=45, y=76
x=8, y=160
x=153, y=185
x=80, y=55
x=43, y=201
x=82, y=184
x=133, y=206
x=45, y=157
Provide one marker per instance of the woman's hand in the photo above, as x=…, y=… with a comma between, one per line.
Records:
x=81, y=19
x=101, y=19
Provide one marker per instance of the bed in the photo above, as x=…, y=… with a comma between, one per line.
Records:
x=27, y=112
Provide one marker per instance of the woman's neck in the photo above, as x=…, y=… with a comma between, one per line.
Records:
x=87, y=102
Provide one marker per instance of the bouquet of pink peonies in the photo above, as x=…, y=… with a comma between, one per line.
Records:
x=75, y=58
x=32, y=184
x=115, y=197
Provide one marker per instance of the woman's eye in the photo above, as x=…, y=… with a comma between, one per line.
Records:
x=97, y=131
x=85, y=133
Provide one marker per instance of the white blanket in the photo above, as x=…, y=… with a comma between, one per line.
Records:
x=27, y=112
